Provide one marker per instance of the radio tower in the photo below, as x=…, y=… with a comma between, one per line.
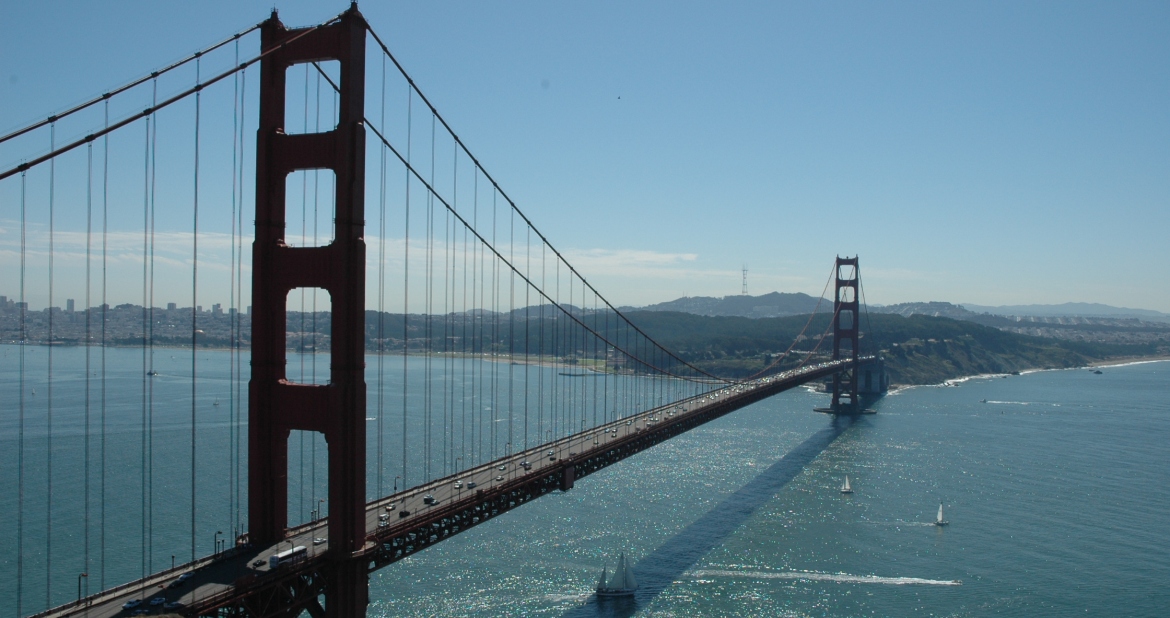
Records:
x=744, y=290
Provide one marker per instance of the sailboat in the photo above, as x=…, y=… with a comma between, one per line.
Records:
x=622, y=584
x=845, y=488
x=939, y=521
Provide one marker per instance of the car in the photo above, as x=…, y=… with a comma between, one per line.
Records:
x=390, y=507
x=403, y=513
x=500, y=477
x=173, y=605
x=321, y=541
x=381, y=524
x=255, y=563
x=132, y=603
x=471, y=484
x=158, y=601
x=526, y=465
x=458, y=484
x=185, y=576
x=428, y=499
x=502, y=467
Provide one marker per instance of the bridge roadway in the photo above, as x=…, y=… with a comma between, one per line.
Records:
x=240, y=582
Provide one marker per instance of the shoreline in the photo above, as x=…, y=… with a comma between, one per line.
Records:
x=1113, y=362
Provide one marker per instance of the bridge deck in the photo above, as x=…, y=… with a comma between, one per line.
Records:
x=406, y=522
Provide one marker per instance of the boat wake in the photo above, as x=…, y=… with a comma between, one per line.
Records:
x=841, y=578
x=900, y=524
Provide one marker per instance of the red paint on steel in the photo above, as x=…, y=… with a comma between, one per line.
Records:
x=277, y=406
x=846, y=330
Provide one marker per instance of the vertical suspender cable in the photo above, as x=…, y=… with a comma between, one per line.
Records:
x=448, y=307
x=49, y=386
x=301, y=339
x=495, y=334
x=150, y=348
x=20, y=403
x=240, y=527
x=406, y=289
x=541, y=436
x=145, y=370
x=232, y=307
x=511, y=331
x=194, y=305
x=428, y=291
x=105, y=308
x=381, y=283
x=88, y=341
x=313, y=299
x=527, y=304
x=464, y=317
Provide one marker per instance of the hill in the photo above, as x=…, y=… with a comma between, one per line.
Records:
x=919, y=349
x=1093, y=310
x=775, y=304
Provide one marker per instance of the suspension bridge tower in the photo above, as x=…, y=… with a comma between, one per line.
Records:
x=277, y=405
x=846, y=339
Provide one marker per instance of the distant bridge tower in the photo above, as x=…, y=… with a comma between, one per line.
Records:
x=845, y=336
x=276, y=405
x=744, y=290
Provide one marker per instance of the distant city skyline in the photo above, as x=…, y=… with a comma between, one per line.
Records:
x=996, y=154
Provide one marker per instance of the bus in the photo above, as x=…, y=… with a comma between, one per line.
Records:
x=287, y=556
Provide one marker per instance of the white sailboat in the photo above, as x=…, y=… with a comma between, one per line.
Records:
x=939, y=521
x=845, y=488
x=622, y=584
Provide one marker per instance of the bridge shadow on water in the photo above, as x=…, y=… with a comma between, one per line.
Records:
x=667, y=563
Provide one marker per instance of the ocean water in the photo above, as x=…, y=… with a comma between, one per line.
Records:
x=1056, y=489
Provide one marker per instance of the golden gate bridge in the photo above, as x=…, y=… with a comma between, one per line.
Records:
x=471, y=368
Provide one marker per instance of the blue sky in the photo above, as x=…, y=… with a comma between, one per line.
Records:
x=992, y=153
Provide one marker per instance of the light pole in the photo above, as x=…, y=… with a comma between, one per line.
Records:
x=79, y=576
x=215, y=537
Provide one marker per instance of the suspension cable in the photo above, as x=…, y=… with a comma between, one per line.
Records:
x=117, y=91
x=414, y=88
x=776, y=361
x=109, y=128
x=486, y=245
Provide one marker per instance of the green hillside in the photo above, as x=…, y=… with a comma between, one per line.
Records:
x=918, y=349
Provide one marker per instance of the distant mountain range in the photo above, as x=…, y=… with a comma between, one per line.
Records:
x=778, y=304
x=772, y=305
x=1094, y=310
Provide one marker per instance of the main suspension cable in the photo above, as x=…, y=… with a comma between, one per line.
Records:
x=138, y=82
